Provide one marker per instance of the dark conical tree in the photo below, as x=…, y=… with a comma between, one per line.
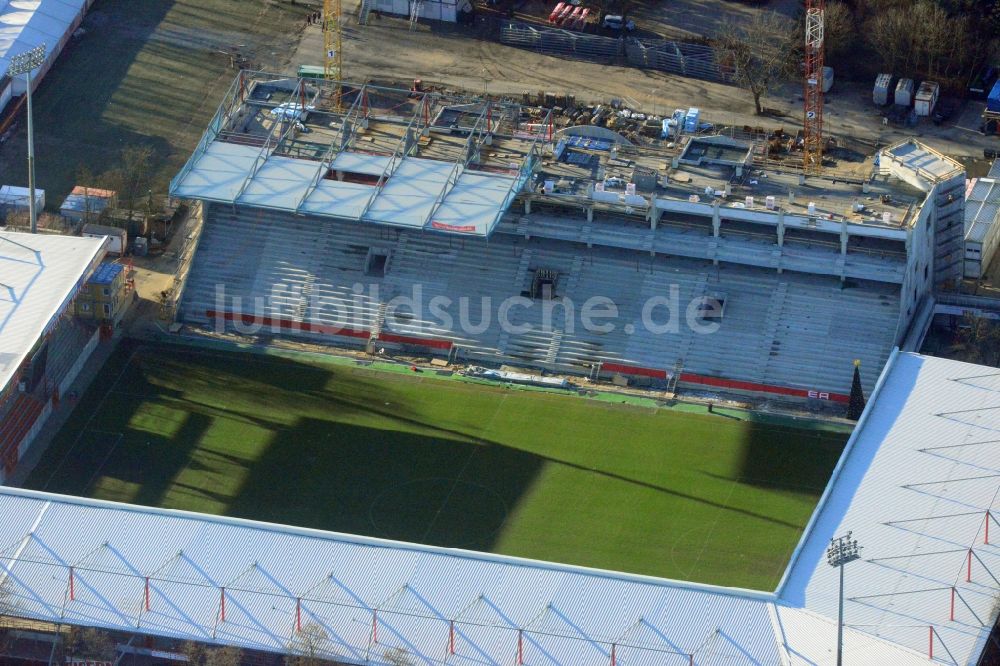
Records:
x=857, y=402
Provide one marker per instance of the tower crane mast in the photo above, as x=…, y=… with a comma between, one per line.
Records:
x=812, y=123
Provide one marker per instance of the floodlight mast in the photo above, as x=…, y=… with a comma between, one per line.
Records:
x=24, y=63
x=841, y=551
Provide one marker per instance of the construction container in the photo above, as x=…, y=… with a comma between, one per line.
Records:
x=904, y=92
x=993, y=99
x=827, y=79
x=691, y=119
x=117, y=238
x=15, y=199
x=926, y=98
x=883, y=92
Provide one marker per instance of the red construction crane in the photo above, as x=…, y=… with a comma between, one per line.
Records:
x=812, y=123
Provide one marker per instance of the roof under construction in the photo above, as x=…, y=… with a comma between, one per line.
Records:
x=365, y=153
x=456, y=163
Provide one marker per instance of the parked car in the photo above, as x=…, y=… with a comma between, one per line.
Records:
x=618, y=22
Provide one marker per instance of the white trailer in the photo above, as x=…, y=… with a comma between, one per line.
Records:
x=904, y=92
x=882, y=94
x=926, y=98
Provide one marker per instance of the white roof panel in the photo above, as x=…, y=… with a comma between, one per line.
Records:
x=472, y=205
x=219, y=172
x=40, y=275
x=281, y=182
x=416, y=190
x=355, y=588
x=915, y=484
x=411, y=192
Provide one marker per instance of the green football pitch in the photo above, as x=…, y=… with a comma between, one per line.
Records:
x=412, y=456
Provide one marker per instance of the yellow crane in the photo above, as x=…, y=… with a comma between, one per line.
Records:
x=333, y=60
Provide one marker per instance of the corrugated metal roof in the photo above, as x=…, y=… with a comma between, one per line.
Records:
x=982, y=208
x=40, y=275
x=369, y=596
x=994, y=170
x=419, y=192
x=25, y=24
x=915, y=487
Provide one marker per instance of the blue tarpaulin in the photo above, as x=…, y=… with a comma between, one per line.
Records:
x=993, y=101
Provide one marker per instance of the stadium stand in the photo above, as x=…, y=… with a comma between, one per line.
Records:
x=811, y=274
x=916, y=485
x=42, y=347
x=785, y=330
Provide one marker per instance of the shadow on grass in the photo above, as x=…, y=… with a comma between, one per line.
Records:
x=395, y=485
x=788, y=459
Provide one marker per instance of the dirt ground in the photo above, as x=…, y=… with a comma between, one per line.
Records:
x=455, y=56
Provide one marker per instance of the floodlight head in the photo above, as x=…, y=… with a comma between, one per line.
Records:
x=842, y=550
x=23, y=63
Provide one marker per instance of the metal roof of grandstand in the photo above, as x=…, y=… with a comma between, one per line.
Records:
x=994, y=170
x=25, y=24
x=918, y=485
x=255, y=585
x=982, y=208
x=40, y=274
x=363, y=153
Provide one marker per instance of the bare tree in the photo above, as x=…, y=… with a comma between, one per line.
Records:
x=922, y=40
x=90, y=643
x=398, y=656
x=839, y=31
x=131, y=178
x=195, y=652
x=760, y=53
x=307, y=646
x=979, y=340
x=225, y=656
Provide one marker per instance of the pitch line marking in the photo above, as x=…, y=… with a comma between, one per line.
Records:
x=93, y=414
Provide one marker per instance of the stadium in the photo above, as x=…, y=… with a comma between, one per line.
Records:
x=503, y=523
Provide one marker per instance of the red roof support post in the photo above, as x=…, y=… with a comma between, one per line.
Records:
x=298, y=614
x=987, y=540
x=451, y=637
x=374, y=626
x=930, y=642
x=613, y=660
x=222, y=604
x=520, y=647
x=146, y=594
x=951, y=616
x=72, y=596
x=691, y=660
x=968, y=567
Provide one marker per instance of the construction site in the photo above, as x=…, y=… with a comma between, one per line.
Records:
x=489, y=330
